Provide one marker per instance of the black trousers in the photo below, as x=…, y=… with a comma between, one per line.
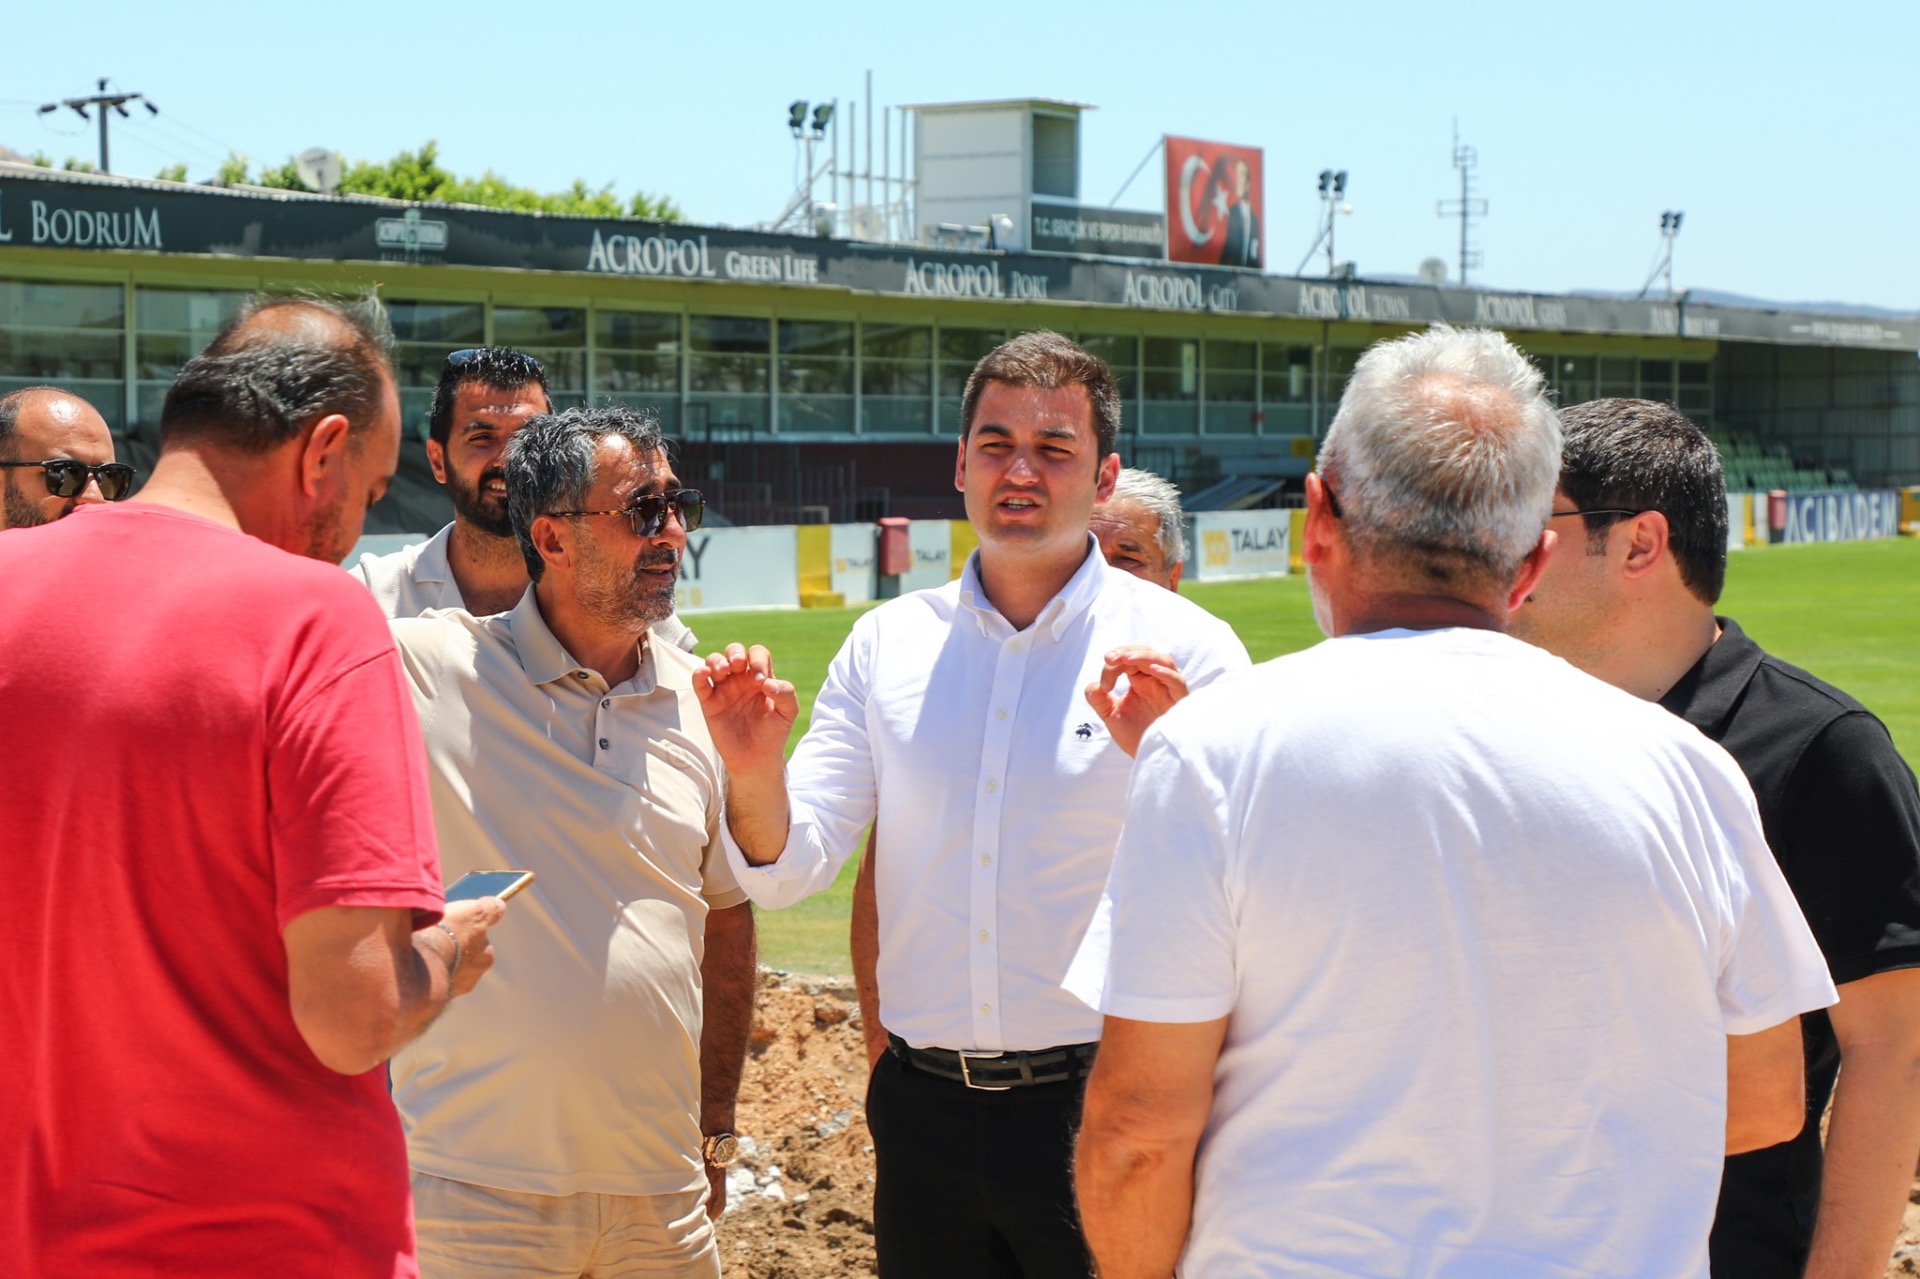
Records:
x=972, y=1184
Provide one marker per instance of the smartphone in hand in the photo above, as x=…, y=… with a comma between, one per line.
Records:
x=488, y=883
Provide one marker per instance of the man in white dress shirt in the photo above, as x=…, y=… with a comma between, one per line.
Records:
x=485, y=395
x=960, y=717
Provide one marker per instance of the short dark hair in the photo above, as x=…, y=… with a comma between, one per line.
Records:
x=549, y=464
x=1048, y=361
x=499, y=367
x=1646, y=456
x=11, y=406
x=280, y=363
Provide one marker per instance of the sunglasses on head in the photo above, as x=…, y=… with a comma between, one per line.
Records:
x=67, y=477
x=648, y=512
x=460, y=359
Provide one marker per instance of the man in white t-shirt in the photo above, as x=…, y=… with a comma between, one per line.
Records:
x=1424, y=953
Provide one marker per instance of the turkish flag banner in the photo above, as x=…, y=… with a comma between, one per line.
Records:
x=1215, y=200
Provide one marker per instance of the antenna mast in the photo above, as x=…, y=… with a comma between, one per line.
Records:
x=1469, y=208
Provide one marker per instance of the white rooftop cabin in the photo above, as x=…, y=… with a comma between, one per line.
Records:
x=975, y=160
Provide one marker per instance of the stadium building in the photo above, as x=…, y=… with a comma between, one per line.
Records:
x=817, y=378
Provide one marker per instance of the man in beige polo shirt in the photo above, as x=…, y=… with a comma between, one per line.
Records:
x=577, y=1120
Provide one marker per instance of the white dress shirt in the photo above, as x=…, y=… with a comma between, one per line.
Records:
x=999, y=794
x=416, y=578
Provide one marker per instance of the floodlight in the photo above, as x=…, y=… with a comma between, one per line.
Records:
x=797, y=116
x=1326, y=180
x=1340, y=182
x=822, y=117
x=1677, y=215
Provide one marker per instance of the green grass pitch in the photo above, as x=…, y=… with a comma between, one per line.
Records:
x=1848, y=612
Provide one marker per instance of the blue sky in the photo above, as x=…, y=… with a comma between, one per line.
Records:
x=1785, y=131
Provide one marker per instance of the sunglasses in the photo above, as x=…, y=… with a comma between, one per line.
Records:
x=460, y=359
x=648, y=512
x=67, y=477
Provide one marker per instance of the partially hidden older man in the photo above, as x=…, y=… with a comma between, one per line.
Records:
x=1427, y=954
x=223, y=905
x=957, y=720
x=64, y=438
x=576, y=1117
x=485, y=395
x=1629, y=596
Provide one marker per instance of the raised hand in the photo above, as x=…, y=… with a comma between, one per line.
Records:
x=1154, y=684
x=749, y=713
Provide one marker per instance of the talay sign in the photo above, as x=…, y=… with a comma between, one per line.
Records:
x=1215, y=205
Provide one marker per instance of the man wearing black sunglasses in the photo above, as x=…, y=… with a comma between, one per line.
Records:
x=580, y=1117
x=64, y=439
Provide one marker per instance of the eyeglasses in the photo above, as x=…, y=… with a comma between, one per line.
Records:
x=460, y=359
x=648, y=512
x=67, y=477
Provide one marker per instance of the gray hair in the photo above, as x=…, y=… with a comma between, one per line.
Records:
x=1162, y=497
x=549, y=464
x=1444, y=453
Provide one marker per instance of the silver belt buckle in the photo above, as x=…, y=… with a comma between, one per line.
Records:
x=966, y=1076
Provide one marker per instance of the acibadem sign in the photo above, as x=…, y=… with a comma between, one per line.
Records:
x=54, y=211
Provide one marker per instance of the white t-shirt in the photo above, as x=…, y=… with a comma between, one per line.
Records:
x=998, y=792
x=1480, y=925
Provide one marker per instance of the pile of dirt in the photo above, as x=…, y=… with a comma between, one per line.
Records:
x=800, y=1200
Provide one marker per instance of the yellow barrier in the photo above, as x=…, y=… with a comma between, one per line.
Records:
x=815, y=559
x=1296, y=538
x=964, y=540
x=1910, y=511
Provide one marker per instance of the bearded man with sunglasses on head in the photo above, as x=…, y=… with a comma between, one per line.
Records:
x=579, y=1120
x=63, y=437
x=484, y=396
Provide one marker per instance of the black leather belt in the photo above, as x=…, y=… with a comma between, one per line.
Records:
x=997, y=1072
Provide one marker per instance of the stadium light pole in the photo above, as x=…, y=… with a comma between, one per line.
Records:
x=1333, y=186
x=102, y=102
x=1663, y=265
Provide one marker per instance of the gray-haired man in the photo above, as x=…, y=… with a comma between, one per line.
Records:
x=1525, y=966
x=1140, y=528
x=579, y=1121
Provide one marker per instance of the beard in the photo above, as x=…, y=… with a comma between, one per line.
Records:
x=472, y=503
x=621, y=597
x=326, y=535
x=20, y=512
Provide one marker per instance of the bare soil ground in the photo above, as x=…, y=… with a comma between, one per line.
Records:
x=800, y=1200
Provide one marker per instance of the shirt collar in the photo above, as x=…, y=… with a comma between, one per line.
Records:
x=1073, y=600
x=545, y=659
x=432, y=564
x=1705, y=696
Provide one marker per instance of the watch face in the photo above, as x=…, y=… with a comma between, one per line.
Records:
x=722, y=1149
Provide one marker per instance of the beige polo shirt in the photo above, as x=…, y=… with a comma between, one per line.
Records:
x=575, y=1065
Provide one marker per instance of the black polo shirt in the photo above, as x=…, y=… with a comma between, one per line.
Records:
x=1842, y=814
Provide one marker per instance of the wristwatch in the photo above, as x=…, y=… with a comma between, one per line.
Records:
x=721, y=1149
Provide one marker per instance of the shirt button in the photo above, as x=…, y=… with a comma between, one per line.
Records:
x=579, y=674
x=986, y=860
x=986, y=1009
x=983, y=934
x=606, y=702
x=1000, y=714
x=992, y=787
x=604, y=743
x=1015, y=646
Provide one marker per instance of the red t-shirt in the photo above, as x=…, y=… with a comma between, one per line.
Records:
x=201, y=737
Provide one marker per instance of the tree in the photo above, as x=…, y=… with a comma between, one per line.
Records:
x=173, y=173
x=419, y=175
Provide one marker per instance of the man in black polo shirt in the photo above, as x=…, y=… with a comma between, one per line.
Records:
x=1631, y=601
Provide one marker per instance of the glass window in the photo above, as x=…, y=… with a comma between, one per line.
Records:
x=171, y=326
x=1286, y=389
x=1695, y=397
x=1573, y=378
x=896, y=379
x=1122, y=354
x=816, y=375
x=1616, y=378
x=70, y=335
x=1170, y=382
x=1232, y=386
x=958, y=351
x=729, y=374
x=554, y=335
x=1656, y=380
x=424, y=334
x=636, y=361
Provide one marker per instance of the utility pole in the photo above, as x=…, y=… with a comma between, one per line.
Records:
x=1468, y=207
x=100, y=102
x=1663, y=265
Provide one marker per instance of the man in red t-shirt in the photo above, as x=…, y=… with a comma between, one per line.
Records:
x=222, y=906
